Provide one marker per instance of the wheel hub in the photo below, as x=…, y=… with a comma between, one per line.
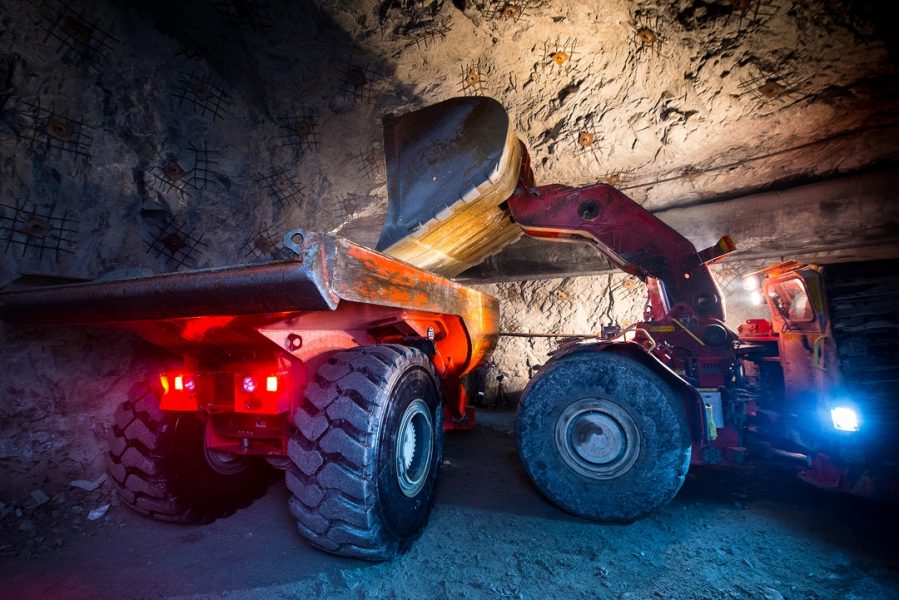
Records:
x=597, y=438
x=225, y=462
x=414, y=447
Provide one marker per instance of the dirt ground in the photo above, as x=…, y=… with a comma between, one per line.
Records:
x=752, y=533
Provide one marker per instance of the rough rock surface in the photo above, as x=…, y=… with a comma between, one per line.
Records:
x=227, y=123
x=730, y=534
x=582, y=306
x=573, y=306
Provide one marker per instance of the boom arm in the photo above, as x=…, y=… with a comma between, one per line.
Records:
x=632, y=237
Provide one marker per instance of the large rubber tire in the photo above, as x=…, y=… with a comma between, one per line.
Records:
x=346, y=478
x=603, y=437
x=159, y=464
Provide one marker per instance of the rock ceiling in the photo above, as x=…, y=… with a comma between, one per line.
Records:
x=171, y=135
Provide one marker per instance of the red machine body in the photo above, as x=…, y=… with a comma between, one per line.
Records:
x=682, y=336
x=265, y=329
x=771, y=390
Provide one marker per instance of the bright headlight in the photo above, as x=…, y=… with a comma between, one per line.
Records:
x=844, y=418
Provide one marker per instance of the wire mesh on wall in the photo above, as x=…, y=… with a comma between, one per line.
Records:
x=203, y=93
x=178, y=244
x=300, y=130
x=473, y=79
x=283, y=187
x=40, y=231
x=77, y=36
x=359, y=78
x=54, y=133
x=262, y=245
x=172, y=177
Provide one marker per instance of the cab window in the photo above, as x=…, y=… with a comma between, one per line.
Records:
x=791, y=300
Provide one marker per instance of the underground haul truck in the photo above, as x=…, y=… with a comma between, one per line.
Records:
x=342, y=366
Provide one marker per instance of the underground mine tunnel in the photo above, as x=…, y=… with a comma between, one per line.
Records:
x=525, y=299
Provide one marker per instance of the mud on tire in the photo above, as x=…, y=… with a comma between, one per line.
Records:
x=366, y=452
x=603, y=437
x=159, y=464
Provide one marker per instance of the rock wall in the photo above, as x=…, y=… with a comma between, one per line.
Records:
x=582, y=306
x=131, y=142
x=173, y=135
x=577, y=305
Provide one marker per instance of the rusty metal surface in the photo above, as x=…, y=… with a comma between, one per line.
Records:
x=328, y=271
x=450, y=169
x=363, y=276
x=275, y=287
x=288, y=285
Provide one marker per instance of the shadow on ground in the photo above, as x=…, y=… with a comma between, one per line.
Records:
x=751, y=533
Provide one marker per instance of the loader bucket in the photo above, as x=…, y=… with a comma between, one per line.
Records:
x=450, y=167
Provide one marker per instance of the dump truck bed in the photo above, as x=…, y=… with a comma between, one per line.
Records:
x=328, y=272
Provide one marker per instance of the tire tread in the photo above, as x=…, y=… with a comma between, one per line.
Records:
x=139, y=458
x=331, y=498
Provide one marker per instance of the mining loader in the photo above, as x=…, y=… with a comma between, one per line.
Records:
x=607, y=428
x=816, y=383
x=343, y=366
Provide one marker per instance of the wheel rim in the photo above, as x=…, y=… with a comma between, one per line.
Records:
x=221, y=462
x=414, y=446
x=225, y=463
x=597, y=438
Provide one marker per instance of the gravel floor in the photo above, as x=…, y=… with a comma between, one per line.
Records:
x=751, y=533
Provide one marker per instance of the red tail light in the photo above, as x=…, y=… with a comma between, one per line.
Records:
x=178, y=392
x=185, y=383
x=261, y=393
